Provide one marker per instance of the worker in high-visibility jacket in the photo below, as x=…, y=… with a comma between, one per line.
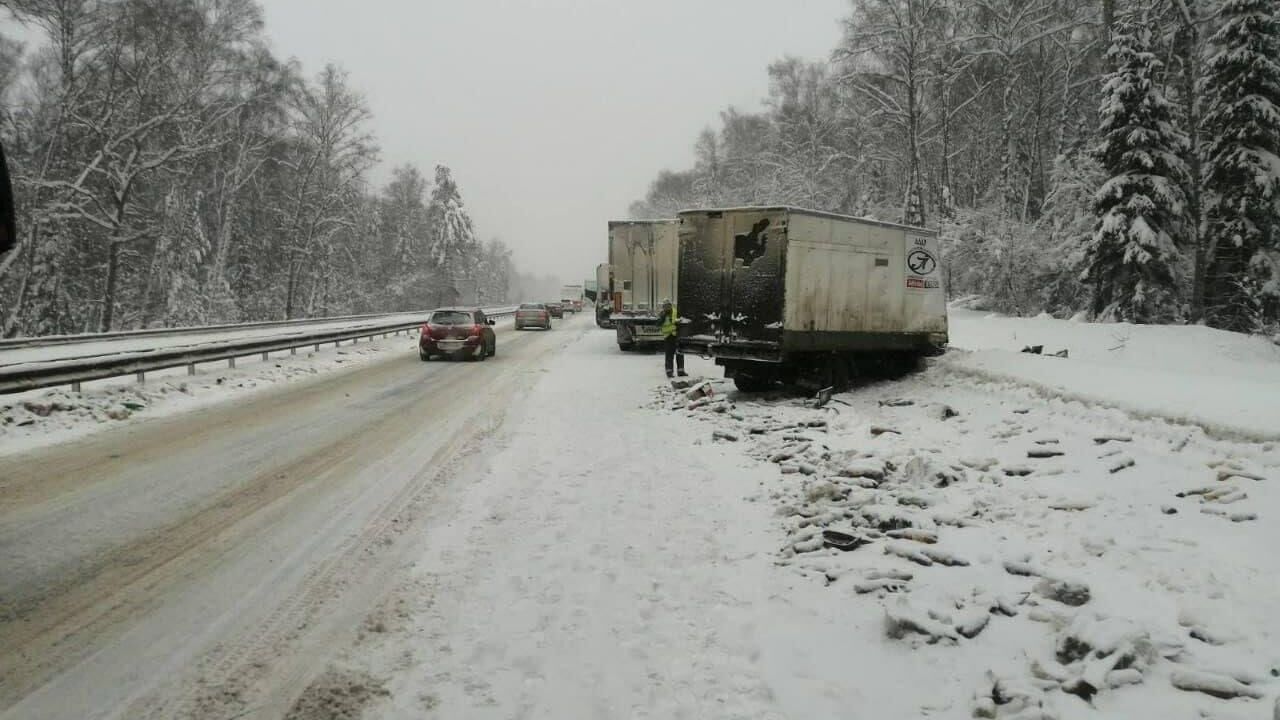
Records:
x=670, y=339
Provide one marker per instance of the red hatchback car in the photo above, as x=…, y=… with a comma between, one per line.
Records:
x=458, y=333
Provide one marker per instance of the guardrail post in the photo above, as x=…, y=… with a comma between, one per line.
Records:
x=264, y=357
x=142, y=377
x=191, y=368
x=75, y=386
x=231, y=363
x=317, y=347
x=293, y=351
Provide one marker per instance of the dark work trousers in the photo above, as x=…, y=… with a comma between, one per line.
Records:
x=670, y=343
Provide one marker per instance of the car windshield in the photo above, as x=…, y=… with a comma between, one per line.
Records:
x=452, y=317
x=532, y=306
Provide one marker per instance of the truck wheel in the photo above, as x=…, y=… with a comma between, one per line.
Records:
x=751, y=383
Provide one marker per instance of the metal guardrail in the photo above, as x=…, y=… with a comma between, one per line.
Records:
x=74, y=371
x=50, y=340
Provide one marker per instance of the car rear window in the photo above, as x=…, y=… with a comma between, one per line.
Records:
x=532, y=306
x=452, y=317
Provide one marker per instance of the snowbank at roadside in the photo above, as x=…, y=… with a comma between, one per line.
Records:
x=1227, y=383
x=47, y=417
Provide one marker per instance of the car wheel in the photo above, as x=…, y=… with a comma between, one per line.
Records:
x=493, y=349
x=423, y=356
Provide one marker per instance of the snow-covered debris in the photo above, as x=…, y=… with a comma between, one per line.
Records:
x=1122, y=462
x=1219, y=686
x=943, y=502
x=903, y=619
x=1067, y=592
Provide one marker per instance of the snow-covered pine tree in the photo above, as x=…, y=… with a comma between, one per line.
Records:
x=1242, y=167
x=452, y=237
x=1131, y=257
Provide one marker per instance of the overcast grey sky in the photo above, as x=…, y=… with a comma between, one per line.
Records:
x=553, y=114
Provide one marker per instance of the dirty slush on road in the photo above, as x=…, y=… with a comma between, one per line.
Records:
x=1042, y=558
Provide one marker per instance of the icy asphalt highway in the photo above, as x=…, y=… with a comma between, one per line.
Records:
x=152, y=570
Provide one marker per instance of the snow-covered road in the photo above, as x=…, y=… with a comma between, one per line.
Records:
x=182, y=565
x=615, y=559
x=555, y=534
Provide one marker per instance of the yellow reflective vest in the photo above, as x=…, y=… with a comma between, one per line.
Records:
x=669, y=323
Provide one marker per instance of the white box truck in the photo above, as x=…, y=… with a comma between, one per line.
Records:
x=643, y=258
x=571, y=297
x=807, y=297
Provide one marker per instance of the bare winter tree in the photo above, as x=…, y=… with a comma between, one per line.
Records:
x=170, y=170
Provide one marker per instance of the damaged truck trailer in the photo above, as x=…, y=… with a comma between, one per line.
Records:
x=642, y=264
x=781, y=294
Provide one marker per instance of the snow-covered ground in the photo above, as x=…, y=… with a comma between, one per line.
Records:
x=629, y=552
x=1029, y=536
x=1227, y=383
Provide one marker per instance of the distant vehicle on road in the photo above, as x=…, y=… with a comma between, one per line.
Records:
x=571, y=297
x=556, y=309
x=457, y=333
x=533, y=315
x=643, y=268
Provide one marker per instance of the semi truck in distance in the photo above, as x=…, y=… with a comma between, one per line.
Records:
x=806, y=297
x=642, y=262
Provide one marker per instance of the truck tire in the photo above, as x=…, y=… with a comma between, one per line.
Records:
x=751, y=383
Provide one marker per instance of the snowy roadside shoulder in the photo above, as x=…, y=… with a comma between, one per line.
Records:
x=1226, y=383
x=47, y=417
x=1009, y=556
x=1224, y=406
